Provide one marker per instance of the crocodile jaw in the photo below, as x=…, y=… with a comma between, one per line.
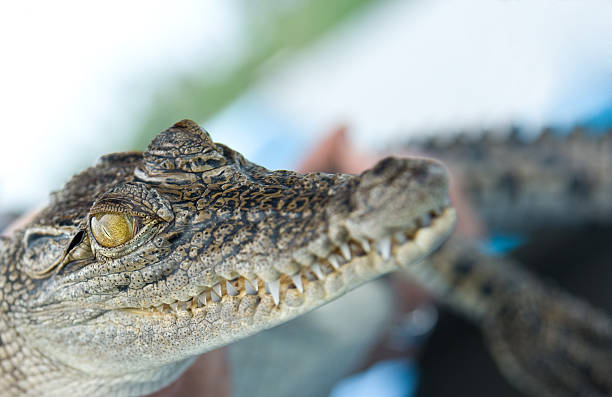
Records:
x=155, y=305
x=181, y=331
x=356, y=261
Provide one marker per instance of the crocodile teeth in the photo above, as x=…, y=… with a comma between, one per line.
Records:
x=317, y=271
x=251, y=287
x=383, y=246
x=346, y=251
x=215, y=293
x=274, y=288
x=174, y=306
x=297, y=281
x=230, y=289
x=334, y=261
x=365, y=244
x=202, y=300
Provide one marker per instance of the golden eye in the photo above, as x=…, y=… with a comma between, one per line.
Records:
x=112, y=230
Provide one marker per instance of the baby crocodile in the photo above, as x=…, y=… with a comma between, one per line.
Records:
x=545, y=341
x=146, y=260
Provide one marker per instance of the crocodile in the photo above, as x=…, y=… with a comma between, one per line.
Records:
x=146, y=260
x=519, y=182
x=547, y=342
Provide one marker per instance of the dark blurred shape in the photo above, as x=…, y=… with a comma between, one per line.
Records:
x=456, y=361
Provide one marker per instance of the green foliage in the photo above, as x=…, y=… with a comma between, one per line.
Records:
x=272, y=27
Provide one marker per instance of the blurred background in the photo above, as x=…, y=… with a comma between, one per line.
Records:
x=272, y=78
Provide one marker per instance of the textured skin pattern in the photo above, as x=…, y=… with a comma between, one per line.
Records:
x=518, y=184
x=545, y=341
x=223, y=249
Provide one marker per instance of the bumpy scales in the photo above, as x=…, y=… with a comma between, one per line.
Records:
x=146, y=260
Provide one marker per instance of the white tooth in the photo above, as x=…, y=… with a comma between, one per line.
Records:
x=159, y=308
x=202, y=300
x=174, y=306
x=183, y=305
x=251, y=286
x=214, y=297
x=297, y=281
x=365, y=244
x=400, y=237
x=317, y=270
x=230, y=289
x=334, y=261
x=273, y=287
x=217, y=290
x=346, y=251
x=383, y=246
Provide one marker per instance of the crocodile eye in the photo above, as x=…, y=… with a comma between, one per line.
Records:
x=111, y=230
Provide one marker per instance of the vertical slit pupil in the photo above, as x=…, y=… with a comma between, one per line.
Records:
x=78, y=239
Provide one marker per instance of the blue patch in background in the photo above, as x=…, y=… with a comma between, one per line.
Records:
x=390, y=378
x=498, y=244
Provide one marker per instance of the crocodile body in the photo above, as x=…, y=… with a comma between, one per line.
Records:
x=146, y=260
x=520, y=184
x=544, y=340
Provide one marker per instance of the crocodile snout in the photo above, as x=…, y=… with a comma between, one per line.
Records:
x=397, y=194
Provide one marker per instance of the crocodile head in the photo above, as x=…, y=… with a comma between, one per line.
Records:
x=146, y=260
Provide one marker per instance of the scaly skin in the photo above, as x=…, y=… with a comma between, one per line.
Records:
x=545, y=341
x=221, y=249
x=519, y=185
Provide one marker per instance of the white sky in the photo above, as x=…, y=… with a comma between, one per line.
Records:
x=67, y=65
x=446, y=65
x=404, y=66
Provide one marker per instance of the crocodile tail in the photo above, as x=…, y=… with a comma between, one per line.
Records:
x=546, y=342
x=551, y=344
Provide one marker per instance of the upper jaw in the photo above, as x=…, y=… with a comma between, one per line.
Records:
x=369, y=224
x=389, y=216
